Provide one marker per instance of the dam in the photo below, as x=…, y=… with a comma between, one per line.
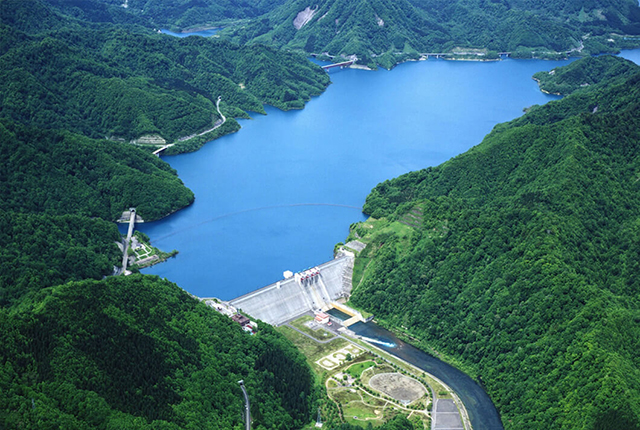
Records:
x=315, y=289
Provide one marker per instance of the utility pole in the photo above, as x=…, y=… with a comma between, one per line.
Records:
x=247, y=407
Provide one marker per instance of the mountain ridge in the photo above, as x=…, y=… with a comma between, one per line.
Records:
x=523, y=267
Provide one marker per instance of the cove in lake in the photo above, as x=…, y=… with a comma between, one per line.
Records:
x=280, y=193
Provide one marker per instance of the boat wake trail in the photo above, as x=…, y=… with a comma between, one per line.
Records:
x=262, y=208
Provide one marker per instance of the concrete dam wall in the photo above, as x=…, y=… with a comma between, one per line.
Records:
x=310, y=290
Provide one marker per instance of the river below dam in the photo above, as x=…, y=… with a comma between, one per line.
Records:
x=482, y=413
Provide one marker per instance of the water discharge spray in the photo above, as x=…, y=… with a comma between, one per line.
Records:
x=379, y=342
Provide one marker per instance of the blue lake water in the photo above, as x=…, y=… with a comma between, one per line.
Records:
x=280, y=193
x=631, y=54
x=203, y=33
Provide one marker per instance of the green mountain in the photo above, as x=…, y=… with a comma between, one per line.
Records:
x=57, y=172
x=202, y=13
x=59, y=190
x=39, y=251
x=126, y=82
x=396, y=30
x=519, y=259
x=385, y=32
x=139, y=352
x=591, y=71
x=364, y=28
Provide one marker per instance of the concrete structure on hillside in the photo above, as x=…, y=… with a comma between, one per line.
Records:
x=322, y=318
x=313, y=290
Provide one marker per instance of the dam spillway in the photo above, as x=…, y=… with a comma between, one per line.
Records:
x=310, y=290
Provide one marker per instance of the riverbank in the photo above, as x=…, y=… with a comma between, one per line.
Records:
x=358, y=402
x=464, y=414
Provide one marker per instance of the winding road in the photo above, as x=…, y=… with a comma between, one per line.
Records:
x=182, y=139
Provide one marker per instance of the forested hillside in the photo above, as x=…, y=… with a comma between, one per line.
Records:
x=79, y=350
x=58, y=192
x=57, y=172
x=591, y=71
x=347, y=27
x=39, y=251
x=519, y=260
x=139, y=352
x=384, y=31
x=127, y=82
x=189, y=13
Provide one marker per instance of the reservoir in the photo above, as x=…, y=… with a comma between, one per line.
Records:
x=280, y=193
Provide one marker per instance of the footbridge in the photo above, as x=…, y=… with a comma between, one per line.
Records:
x=131, y=218
x=315, y=289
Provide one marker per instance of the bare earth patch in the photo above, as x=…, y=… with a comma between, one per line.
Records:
x=304, y=17
x=400, y=387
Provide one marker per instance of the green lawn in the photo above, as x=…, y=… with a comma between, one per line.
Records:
x=360, y=410
x=344, y=395
x=356, y=370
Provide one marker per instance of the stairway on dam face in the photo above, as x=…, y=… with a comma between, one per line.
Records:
x=291, y=297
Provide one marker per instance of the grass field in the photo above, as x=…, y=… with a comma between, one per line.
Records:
x=357, y=412
x=356, y=370
x=312, y=349
x=360, y=403
x=345, y=396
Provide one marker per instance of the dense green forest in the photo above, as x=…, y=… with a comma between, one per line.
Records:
x=397, y=423
x=39, y=251
x=57, y=172
x=123, y=82
x=591, y=71
x=139, y=352
x=521, y=261
x=60, y=193
x=188, y=13
x=385, y=31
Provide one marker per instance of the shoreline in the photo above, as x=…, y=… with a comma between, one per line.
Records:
x=543, y=90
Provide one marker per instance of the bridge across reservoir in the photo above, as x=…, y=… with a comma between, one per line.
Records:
x=343, y=64
x=310, y=290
